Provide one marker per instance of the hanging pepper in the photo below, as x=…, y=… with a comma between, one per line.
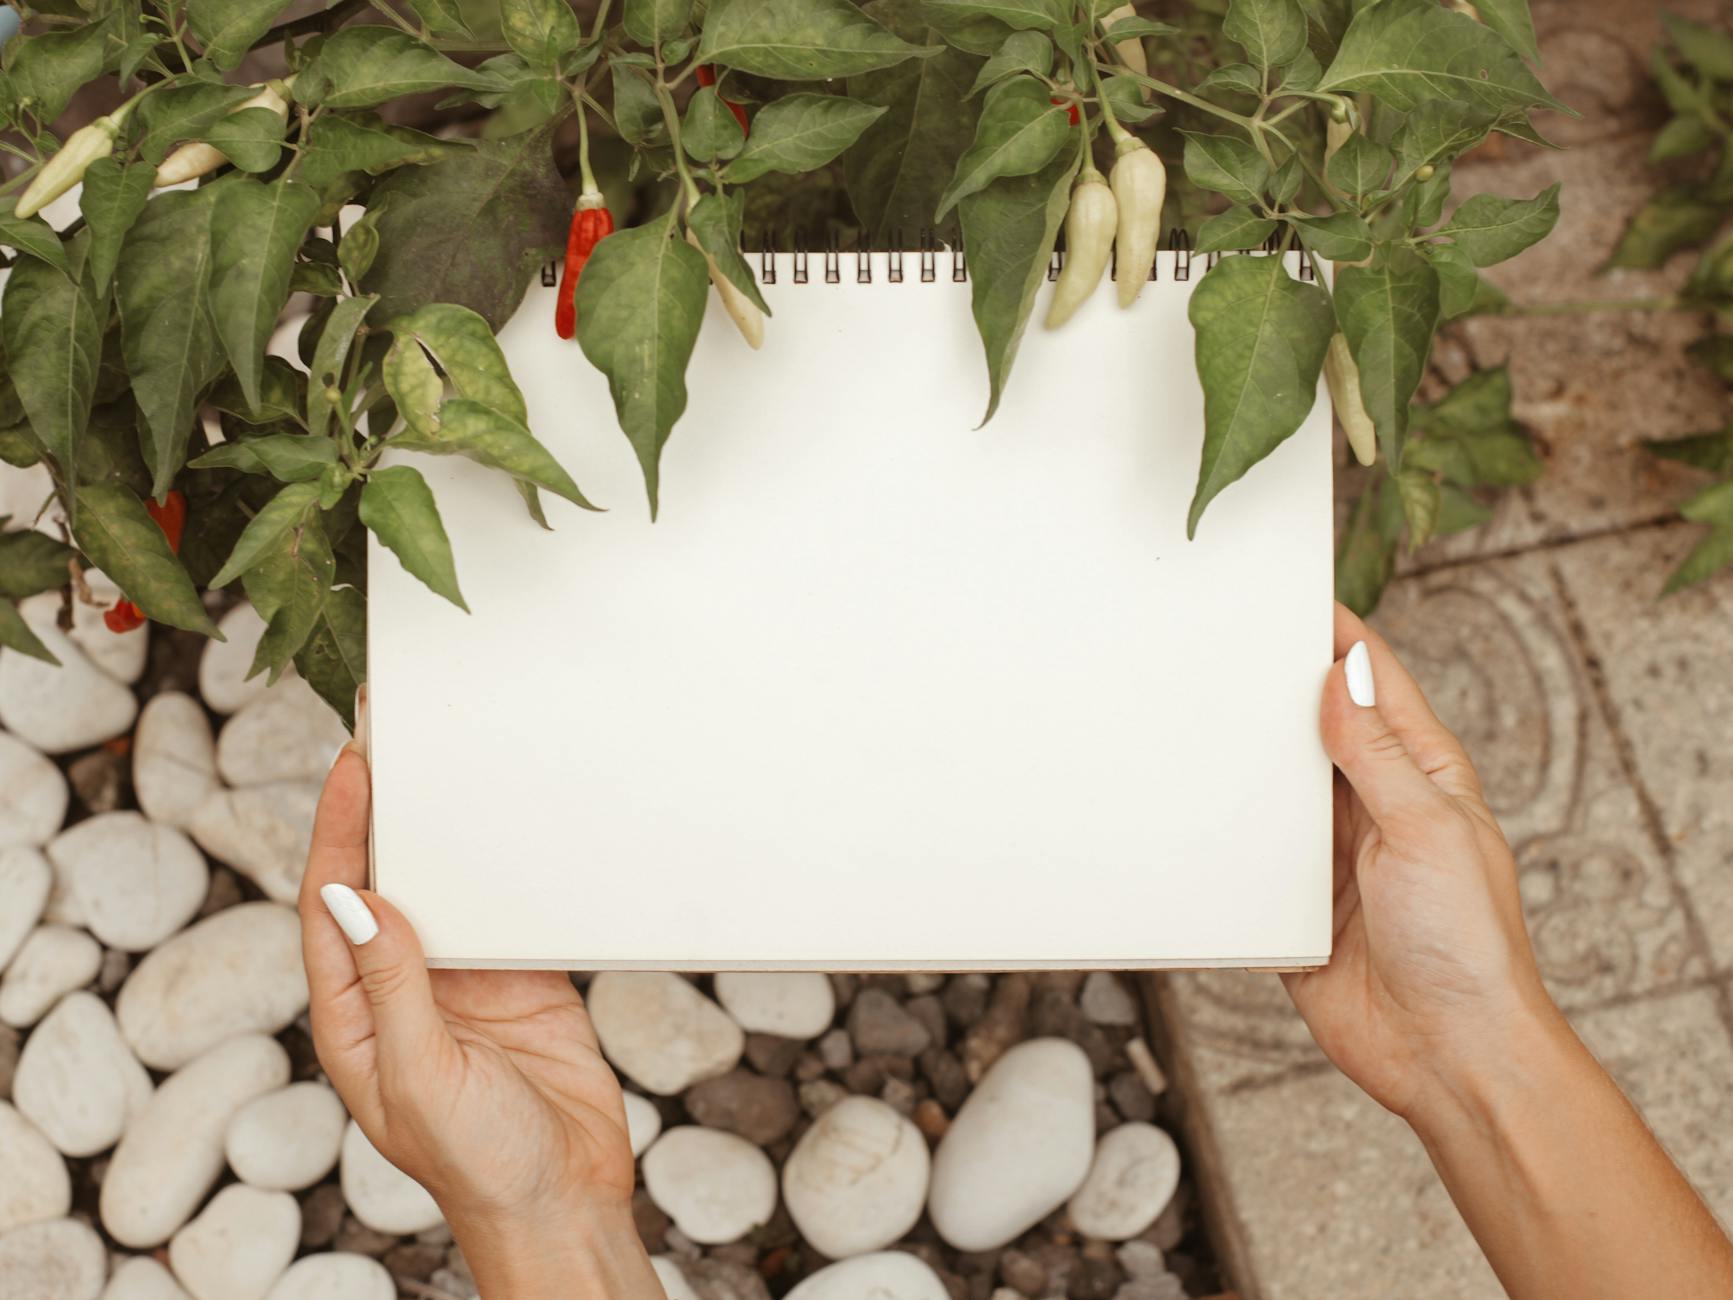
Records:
x=1343, y=378
x=1139, y=184
x=66, y=168
x=1090, y=223
x=707, y=77
x=1130, y=50
x=193, y=160
x=171, y=517
x=741, y=309
x=591, y=223
x=1072, y=117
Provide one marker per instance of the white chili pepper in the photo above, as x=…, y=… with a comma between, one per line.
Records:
x=741, y=309
x=1343, y=378
x=66, y=168
x=191, y=161
x=1130, y=50
x=1090, y=223
x=1139, y=184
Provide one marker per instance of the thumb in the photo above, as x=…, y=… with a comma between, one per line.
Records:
x=1368, y=750
x=392, y=970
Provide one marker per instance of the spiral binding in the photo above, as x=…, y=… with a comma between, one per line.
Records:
x=927, y=251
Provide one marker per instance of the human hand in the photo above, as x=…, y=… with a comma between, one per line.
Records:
x=1432, y=973
x=487, y=1087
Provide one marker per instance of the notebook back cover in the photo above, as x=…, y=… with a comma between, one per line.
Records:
x=879, y=689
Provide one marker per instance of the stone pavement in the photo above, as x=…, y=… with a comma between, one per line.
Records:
x=1599, y=715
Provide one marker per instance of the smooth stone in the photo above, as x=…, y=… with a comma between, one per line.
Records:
x=223, y=668
x=380, y=1194
x=136, y=883
x=1105, y=1000
x=287, y=1141
x=1134, y=1175
x=335, y=1276
x=77, y=1081
x=61, y=1259
x=139, y=1277
x=715, y=1186
x=286, y=734
x=1019, y=1146
x=239, y=1244
x=35, y=1185
x=238, y=971
x=888, y=1275
x=262, y=832
x=643, y=1122
x=880, y=1025
x=26, y=880
x=33, y=795
x=60, y=709
x=760, y=1110
x=795, y=1004
x=122, y=655
x=660, y=1031
x=174, y=759
x=856, y=1180
x=53, y=961
x=672, y=1279
x=173, y=1149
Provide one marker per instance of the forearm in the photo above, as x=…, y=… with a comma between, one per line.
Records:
x=593, y=1254
x=1562, y=1184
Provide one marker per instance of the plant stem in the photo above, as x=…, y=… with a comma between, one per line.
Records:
x=1115, y=132
x=672, y=118
x=397, y=18
x=601, y=20
x=1174, y=92
x=586, y=178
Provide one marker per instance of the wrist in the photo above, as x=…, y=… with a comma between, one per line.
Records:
x=556, y=1252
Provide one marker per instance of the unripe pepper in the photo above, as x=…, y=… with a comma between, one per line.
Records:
x=191, y=161
x=1090, y=224
x=706, y=76
x=1139, y=183
x=171, y=517
x=1131, y=52
x=591, y=223
x=66, y=168
x=1343, y=378
x=741, y=309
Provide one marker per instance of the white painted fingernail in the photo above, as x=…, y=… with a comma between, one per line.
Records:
x=1358, y=669
x=350, y=913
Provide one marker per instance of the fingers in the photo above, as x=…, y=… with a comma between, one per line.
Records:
x=1369, y=751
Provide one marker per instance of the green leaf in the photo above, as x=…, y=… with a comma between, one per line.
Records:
x=288, y=587
x=255, y=230
x=111, y=200
x=1271, y=32
x=1125, y=95
x=901, y=164
x=1409, y=52
x=167, y=335
x=492, y=438
x=543, y=32
x=286, y=457
x=1706, y=49
x=398, y=506
x=1708, y=451
x=1713, y=506
x=1419, y=494
x=1490, y=229
x=337, y=144
x=1231, y=231
x=640, y=303
x=711, y=222
x=169, y=116
x=1680, y=138
x=1261, y=339
x=331, y=355
x=462, y=343
x=1133, y=29
x=1678, y=217
x=226, y=29
x=1342, y=236
x=414, y=385
x=1020, y=132
x=15, y=634
x=123, y=541
x=637, y=111
x=799, y=40
x=443, y=17
x=800, y=133
x=1511, y=20
x=52, y=325
x=46, y=69
x=359, y=247
x=650, y=22
x=1388, y=311
x=1234, y=79
x=471, y=228
x=1019, y=15
x=1009, y=230
x=1226, y=164
x=36, y=237
x=1435, y=133
x=1461, y=288
x=334, y=659
x=709, y=131
x=370, y=65
x=1366, y=559
x=1360, y=166
x=281, y=515
x=1022, y=52
x=250, y=138
x=282, y=396
x=31, y=562
x=1457, y=511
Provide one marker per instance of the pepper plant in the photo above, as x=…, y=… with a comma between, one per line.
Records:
x=136, y=333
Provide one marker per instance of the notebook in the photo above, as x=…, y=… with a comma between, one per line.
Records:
x=880, y=689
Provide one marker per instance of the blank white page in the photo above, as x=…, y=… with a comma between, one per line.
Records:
x=879, y=689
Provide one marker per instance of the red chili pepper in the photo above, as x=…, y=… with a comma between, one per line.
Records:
x=1070, y=113
x=707, y=77
x=591, y=223
x=171, y=517
x=124, y=617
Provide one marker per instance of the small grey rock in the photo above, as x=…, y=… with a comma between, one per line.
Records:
x=1129, y=1096
x=878, y=1024
x=773, y=1055
x=721, y=1279
x=819, y=1095
x=760, y=1110
x=1024, y=1272
x=965, y=998
x=1105, y=1000
x=950, y=1082
x=322, y=1212
x=931, y=1013
x=414, y=1260
x=836, y=1051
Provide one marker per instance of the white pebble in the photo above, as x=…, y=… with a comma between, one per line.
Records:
x=61, y=1259
x=715, y=1186
x=26, y=880
x=33, y=795
x=223, y=668
x=791, y=1004
x=139, y=1277
x=174, y=759
x=262, y=832
x=287, y=734
x=380, y=1194
x=286, y=1141
x=237, y=971
x=660, y=1031
x=672, y=1279
x=643, y=1122
x=1134, y=1175
x=338, y=1276
x=856, y=1180
x=60, y=709
x=173, y=1150
x=53, y=961
x=35, y=1185
x=1105, y=1000
x=135, y=883
x=239, y=1244
x=888, y=1275
x=121, y=655
x=76, y=1079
